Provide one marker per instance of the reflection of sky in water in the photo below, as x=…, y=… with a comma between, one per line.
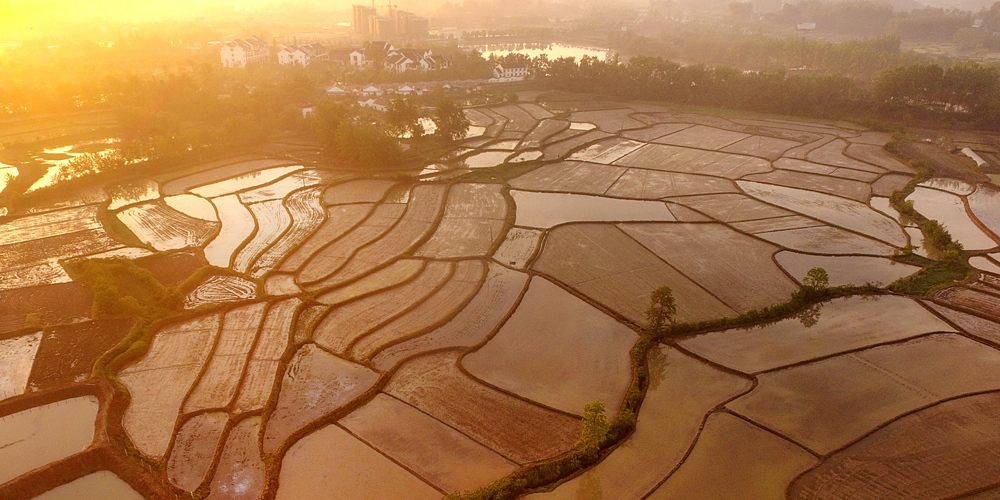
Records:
x=56, y=165
x=582, y=126
x=554, y=51
x=486, y=159
x=244, y=181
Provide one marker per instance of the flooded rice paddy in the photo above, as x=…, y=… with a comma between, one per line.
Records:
x=411, y=338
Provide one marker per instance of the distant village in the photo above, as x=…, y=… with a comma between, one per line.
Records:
x=239, y=53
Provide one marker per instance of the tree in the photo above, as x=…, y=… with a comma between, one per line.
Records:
x=662, y=308
x=403, y=117
x=816, y=279
x=595, y=427
x=451, y=120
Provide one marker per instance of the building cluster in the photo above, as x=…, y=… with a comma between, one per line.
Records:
x=303, y=55
x=239, y=53
x=398, y=24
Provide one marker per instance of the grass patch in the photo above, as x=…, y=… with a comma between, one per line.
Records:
x=122, y=288
x=952, y=268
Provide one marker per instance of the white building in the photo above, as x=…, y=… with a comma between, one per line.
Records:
x=238, y=53
x=401, y=61
x=509, y=72
x=376, y=104
x=303, y=55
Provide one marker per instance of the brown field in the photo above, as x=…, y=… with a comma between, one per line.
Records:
x=766, y=147
x=244, y=182
x=694, y=161
x=735, y=459
x=832, y=153
x=652, y=184
x=682, y=391
x=307, y=215
x=45, y=251
x=516, y=429
x=972, y=300
x=518, y=247
x=439, y=454
x=655, y=131
x=519, y=120
x=285, y=186
x=840, y=325
x=473, y=220
x=619, y=273
x=732, y=207
x=400, y=271
x=700, y=136
x=607, y=151
x=890, y=183
x=544, y=130
x=240, y=473
x=848, y=214
x=556, y=150
x=828, y=240
x=802, y=152
x=32, y=227
x=830, y=403
x=973, y=325
x=949, y=449
x=339, y=220
x=55, y=304
x=496, y=298
x=613, y=121
x=218, y=385
x=775, y=224
x=434, y=310
x=331, y=464
x=361, y=191
x=315, y=384
x=220, y=289
x=537, y=112
x=877, y=156
x=349, y=322
x=68, y=352
x=183, y=184
x=732, y=266
x=329, y=258
x=423, y=210
x=478, y=118
x=855, y=190
x=527, y=356
x=262, y=366
x=194, y=449
x=570, y=177
x=176, y=354
x=547, y=210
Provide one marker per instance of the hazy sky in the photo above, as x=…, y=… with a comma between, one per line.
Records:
x=36, y=15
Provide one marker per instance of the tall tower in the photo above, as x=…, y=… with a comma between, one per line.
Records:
x=362, y=19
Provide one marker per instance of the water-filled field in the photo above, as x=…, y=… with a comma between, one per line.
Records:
x=372, y=335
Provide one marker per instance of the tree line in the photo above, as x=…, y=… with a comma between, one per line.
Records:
x=965, y=93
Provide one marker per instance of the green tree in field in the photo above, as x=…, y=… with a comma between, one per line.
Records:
x=595, y=427
x=403, y=116
x=450, y=120
x=816, y=279
x=662, y=309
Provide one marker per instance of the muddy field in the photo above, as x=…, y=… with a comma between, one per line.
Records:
x=346, y=335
